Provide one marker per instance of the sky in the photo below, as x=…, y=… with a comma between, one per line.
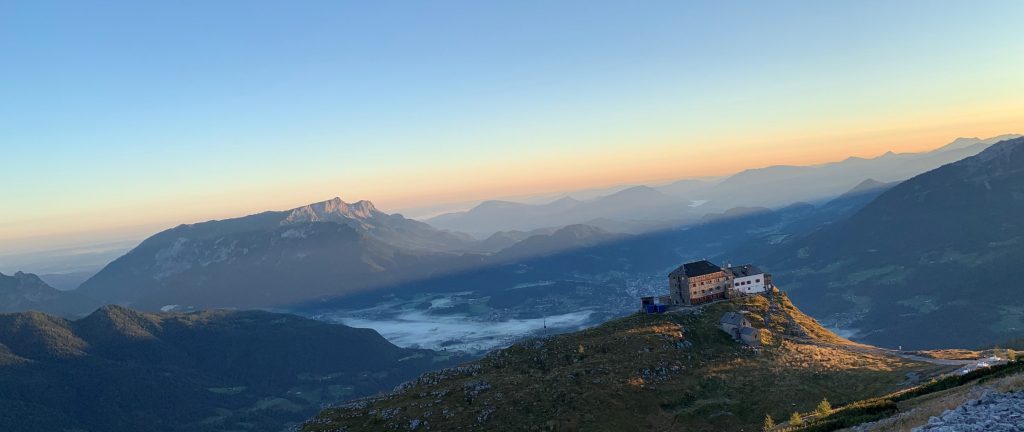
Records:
x=119, y=118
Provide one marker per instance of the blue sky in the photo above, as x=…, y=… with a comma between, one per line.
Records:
x=119, y=114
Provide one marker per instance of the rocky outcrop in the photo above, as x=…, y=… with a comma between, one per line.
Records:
x=993, y=412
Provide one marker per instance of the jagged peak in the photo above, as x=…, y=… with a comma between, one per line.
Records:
x=22, y=275
x=332, y=210
x=965, y=142
x=24, y=278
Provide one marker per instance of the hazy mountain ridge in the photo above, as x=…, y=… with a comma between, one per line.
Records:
x=686, y=201
x=815, y=182
x=26, y=291
x=638, y=203
x=275, y=258
x=923, y=264
x=122, y=370
x=566, y=238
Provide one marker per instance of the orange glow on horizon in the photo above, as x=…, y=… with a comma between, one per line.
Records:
x=524, y=176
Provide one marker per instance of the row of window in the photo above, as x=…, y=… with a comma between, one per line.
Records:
x=694, y=285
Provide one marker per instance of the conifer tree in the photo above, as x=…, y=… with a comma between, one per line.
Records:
x=824, y=408
x=795, y=419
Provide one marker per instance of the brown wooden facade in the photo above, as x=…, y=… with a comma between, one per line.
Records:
x=694, y=290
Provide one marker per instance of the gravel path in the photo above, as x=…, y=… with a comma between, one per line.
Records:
x=995, y=412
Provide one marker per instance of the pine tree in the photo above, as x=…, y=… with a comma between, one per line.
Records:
x=769, y=424
x=795, y=419
x=824, y=408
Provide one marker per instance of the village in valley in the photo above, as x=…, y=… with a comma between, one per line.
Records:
x=700, y=282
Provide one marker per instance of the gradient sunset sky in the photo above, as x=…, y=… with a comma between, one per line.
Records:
x=121, y=115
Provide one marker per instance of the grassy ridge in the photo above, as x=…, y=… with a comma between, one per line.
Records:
x=666, y=372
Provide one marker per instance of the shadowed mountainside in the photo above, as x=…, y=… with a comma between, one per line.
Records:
x=121, y=370
x=269, y=259
x=930, y=262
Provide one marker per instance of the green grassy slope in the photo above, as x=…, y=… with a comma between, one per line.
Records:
x=666, y=372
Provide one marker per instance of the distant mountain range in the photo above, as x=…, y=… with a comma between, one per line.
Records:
x=930, y=262
x=122, y=370
x=333, y=250
x=324, y=250
x=329, y=248
x=26, y=291
x=563, y=239
x=642, y=208
x=921, y=263
x=639, y=204
x=780, y=185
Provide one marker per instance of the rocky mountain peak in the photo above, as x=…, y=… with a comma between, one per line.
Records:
x=332, y=210
x=26, y=277
x=25, y=283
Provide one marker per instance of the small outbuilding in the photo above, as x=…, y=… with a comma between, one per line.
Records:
x=732, y=322
x=750, y=336
x=653, y=305
x=738, y=326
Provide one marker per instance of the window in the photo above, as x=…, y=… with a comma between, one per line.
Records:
x=759, y=280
